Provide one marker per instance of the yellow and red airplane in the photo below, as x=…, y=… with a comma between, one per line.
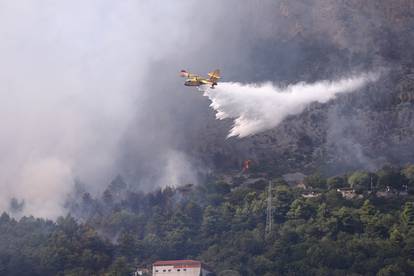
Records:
x=195, y=80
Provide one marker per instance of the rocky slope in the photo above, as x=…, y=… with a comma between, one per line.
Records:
x=366, y=129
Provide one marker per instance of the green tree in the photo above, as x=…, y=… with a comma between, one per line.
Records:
x=391, y=177
x=391, y=270
x=336, y=182
x=281, y=202
x=408, y=173
x=396, y=237
x=299, y=209
x=360, y=181
x=322, y=211
x=407, y=215
x=348, y=220
x=120, y=267
x=367, y=211
x=127, y=245
x=212, y=222
x=315, y=181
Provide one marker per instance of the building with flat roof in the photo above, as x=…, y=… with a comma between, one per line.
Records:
x=181, y=268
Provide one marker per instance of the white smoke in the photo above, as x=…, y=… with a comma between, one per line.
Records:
x=72, y=74
x=177, y=170
x=259, y=107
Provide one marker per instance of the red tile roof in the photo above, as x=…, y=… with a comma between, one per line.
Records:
x=178, y=262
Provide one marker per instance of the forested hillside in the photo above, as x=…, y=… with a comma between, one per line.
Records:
x=317, y=230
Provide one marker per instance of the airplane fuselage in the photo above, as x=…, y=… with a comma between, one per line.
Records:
x=192, y=83
x=199, y=83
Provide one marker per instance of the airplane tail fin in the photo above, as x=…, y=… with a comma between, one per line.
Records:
x=184, y=74
x=214, y=75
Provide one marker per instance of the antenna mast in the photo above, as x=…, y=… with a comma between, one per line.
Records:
x=269, y=211
x=371, y=185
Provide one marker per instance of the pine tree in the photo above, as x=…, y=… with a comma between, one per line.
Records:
x=408, y=214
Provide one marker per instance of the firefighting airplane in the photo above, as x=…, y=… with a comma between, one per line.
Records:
x=195, y=80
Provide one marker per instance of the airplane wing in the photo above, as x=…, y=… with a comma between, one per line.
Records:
x=204, y=81
x=214, y=75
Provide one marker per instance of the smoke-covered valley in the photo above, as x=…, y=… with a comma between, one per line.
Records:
x=91, y=91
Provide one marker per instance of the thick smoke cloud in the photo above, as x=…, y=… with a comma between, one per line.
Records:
x=256, y=108
x=89, y=89
x=71, y=77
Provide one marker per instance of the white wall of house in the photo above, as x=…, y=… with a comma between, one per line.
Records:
x=171, y=270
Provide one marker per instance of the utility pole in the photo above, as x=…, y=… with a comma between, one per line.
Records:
x=372, y=185
x=269, y=211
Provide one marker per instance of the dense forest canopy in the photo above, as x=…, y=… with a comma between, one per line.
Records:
x=317, y=230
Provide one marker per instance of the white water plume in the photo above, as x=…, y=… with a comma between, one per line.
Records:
x=259, y=107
